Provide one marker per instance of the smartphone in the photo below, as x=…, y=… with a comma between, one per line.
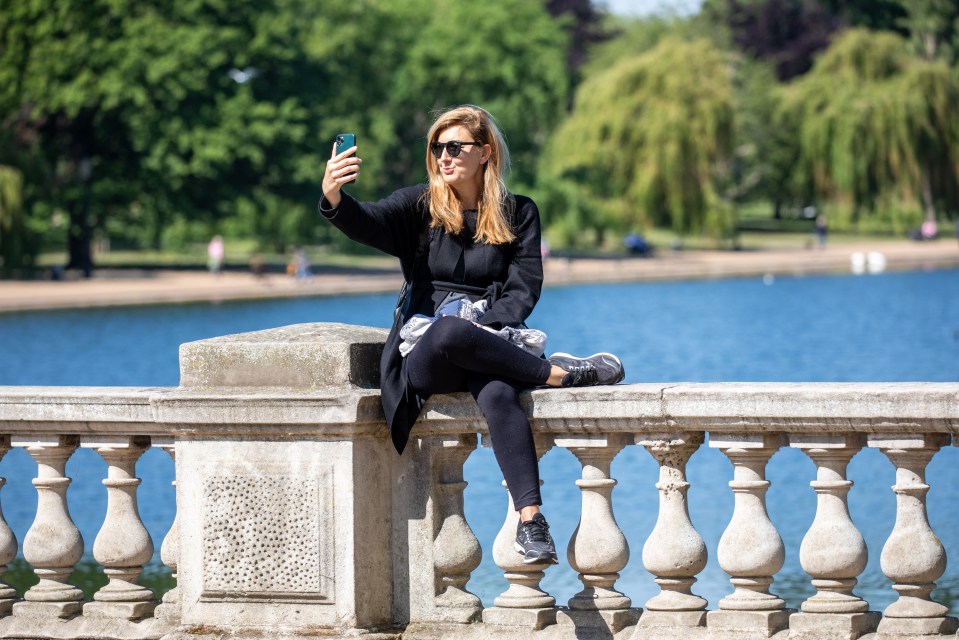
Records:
x=344, y=141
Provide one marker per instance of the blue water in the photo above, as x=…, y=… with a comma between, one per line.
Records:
x=892, y=327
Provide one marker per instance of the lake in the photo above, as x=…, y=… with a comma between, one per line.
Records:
x=889, y=327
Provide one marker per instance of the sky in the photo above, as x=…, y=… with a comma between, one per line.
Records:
x=645, y=7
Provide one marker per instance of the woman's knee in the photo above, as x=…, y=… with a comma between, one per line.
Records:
x=448, y=332
x=498, y=396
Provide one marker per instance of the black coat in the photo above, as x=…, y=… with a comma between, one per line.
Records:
x=509, y=276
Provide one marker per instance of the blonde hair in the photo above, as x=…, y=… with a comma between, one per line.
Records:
x=495, y=207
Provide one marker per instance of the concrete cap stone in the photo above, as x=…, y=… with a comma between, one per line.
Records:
x=301, y=356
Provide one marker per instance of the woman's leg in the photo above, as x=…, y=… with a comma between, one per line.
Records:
x=453, y=354
x=453, y=344
x=463, y=345
x=515, y=451
x=510, y=434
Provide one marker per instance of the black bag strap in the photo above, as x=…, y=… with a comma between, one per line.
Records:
x=422, y=247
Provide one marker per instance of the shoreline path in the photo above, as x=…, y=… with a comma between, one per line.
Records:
x=122, y=288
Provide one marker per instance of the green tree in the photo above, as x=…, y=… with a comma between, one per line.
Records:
x=650, y=140
x=933, y=26
x=11, y=218
x=877, y=132
x=474, y=53
x=141, y=112
x=160, y=122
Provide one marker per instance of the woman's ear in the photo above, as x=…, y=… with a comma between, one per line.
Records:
x=487, y=152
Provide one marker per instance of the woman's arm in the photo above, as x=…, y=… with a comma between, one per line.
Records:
x=392, y=225
x=524, y=280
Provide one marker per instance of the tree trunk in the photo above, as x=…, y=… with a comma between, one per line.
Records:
x=928, y=204
x=78, y=239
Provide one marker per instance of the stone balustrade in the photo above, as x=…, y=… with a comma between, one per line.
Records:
x=296, y=518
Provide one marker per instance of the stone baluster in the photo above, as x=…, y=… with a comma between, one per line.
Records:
x=8, y=545
x=456, y=551
x=674, y=551
x=53, y=544
x=750, y=549
x=169, y=608
x=523, y=603
x=123, y=544
x=598, y=549
x=833, y=551
x=913, y=557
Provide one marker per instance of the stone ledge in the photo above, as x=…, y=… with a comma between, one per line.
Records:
x=299, y=356
x=84, y=627
x=798, y=408
x=781, y=406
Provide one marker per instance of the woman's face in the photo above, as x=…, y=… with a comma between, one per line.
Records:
x=464, y=173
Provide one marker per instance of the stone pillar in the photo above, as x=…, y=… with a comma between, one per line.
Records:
x=285, y=480
x=674, y=551
x=598, y=549
x=8, y=545
x=123, y=544
x=750, y=549
x=169, y=608
x=456, y=551
x=913, y=557
x=53, y=544
x=833, y=551
x=523, y=604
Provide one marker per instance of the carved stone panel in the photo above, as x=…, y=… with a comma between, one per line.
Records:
x=267, y=537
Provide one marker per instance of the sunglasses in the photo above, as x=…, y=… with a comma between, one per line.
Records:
x=453, y=148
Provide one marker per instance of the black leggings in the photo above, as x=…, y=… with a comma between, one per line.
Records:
x=456, y=355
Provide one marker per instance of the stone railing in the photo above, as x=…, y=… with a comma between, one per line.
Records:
x=296, y=518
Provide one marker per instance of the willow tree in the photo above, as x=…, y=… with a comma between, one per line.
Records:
x=649, y=140
x=877, y=133
x=11, y=218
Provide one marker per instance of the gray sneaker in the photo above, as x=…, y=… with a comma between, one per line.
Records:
x=599, y=368
x=534, y=542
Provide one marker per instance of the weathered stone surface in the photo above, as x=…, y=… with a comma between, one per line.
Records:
x=838, y=626
x=833, y=551
x=900, y=628
x=84, y=627
x=527, y=619
x=271, y=533
x=674, y=551
x=671, y=619
x=597, y=550
x=53, y=544
x=823, y=407
x=124, y=610
x=796, y=408
x=610, y=621
x=762, y=623
x=310, y=356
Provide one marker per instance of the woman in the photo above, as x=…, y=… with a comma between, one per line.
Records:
x=464, y=233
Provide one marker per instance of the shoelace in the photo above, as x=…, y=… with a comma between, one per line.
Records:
x=535, y=531
x=585, y=374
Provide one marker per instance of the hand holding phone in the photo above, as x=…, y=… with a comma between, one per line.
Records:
x=340, y=169
x=343, y=142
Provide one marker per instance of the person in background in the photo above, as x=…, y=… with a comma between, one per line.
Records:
x=257, y=267
x=214, y=253
x=302, y=269
x=822, y=228
x=464, y=237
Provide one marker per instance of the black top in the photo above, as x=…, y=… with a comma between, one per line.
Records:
x=509, y=276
